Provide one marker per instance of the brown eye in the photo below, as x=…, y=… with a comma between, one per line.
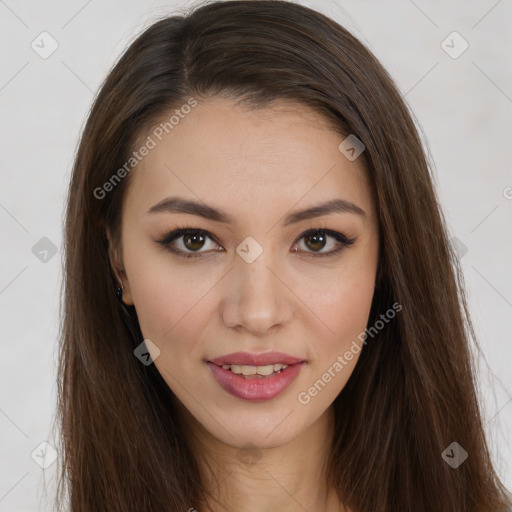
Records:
x=315, y=240
x=193, y=242
x=188, y=242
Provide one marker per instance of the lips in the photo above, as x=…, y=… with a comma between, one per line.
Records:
x=255, y=389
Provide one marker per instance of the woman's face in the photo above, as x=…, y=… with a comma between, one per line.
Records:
x=256, y=284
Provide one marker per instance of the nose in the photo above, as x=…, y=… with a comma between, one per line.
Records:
x=256, y=296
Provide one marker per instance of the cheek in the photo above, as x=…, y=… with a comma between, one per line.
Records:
x=343, y=306
x=171, y=309
x=342, y=299
x=168, y=297
x=345, y=311
x=349, y=310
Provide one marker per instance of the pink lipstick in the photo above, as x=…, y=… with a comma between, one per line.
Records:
x=255, y=377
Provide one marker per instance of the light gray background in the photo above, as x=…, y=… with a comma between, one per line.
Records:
x=464, y=106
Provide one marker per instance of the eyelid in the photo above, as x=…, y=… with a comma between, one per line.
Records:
x=343, y=240
x=178, y=232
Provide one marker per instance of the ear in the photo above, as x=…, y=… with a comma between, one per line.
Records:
x=117, y=265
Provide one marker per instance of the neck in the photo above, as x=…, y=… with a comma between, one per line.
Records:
x=287, y=478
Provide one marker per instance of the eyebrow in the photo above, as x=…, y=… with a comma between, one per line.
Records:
x=181, y=205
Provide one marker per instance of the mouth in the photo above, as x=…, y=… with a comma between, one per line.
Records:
x=255, y=377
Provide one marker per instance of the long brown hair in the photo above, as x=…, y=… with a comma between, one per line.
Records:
x=413, y=390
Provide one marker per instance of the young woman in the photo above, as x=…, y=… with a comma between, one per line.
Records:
x=262, y=310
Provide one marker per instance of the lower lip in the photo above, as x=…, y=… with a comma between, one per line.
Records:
x=256, y=389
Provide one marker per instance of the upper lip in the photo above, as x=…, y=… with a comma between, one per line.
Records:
x=250, y=359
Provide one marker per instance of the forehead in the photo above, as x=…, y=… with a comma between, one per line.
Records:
x=227, y=154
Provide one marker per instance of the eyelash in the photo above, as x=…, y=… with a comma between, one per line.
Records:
x=189, y=230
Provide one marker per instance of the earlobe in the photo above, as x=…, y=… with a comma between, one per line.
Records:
x=122, y=289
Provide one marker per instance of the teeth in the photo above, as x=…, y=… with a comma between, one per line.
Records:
x=264, y=370
x=255, y=370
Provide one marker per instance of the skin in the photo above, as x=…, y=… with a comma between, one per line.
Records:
x=258, y=166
